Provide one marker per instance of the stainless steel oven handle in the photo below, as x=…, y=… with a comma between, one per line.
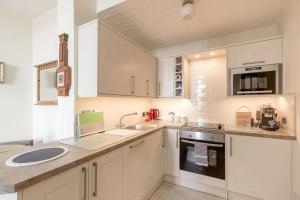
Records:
x=208, y=144
x=255, y=92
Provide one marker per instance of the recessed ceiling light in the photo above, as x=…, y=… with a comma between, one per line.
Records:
x=212, y=53
x=197, y=56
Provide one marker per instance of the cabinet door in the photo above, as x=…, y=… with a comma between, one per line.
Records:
x=172, y=138
x=88, y=59
x=105, y=177
x=166, y=77
x=259, y=167
x=135, y=171
x=258, y=53
x=155, y=149
x=144, y=72
x=152, y=77
x=115, y=64
x=72, y=184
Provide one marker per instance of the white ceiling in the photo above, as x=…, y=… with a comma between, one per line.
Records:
x=28, y=8
x=157, y=23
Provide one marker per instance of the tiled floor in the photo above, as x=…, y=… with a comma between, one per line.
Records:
x=168, y=191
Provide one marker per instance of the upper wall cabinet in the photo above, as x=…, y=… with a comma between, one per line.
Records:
x=173, y=77
x=108, y=64
x=258, y=53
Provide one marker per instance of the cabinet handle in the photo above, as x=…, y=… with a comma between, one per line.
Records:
x=252, y=63
x=177, y=139
x=95, y=165
x=230, y=146
x=133, y=89
x=138, y=144
x=85, y=183
x=132, y=84
x=158, y=88
x=148, y=87
x=164, y=140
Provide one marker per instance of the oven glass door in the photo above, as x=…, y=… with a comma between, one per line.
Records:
x=254, y=83
x=213, y=164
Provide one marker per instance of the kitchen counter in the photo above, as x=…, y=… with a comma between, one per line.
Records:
x=248, y=131
x=13, y=179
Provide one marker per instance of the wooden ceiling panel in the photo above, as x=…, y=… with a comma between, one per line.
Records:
x=157, y=23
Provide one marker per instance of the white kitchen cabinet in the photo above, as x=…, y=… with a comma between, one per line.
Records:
x=155, y=149
x=115, y=64
x=105, y=177
x=135, y=172
x=258, y=167
x=166, y=77
x=108, y=64
x=143, y=166
x=144, y=73
x=172, y=140
x=258, y=53
x=173, y=77
x=71, y=184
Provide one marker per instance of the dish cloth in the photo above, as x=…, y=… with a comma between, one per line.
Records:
x=201, y=157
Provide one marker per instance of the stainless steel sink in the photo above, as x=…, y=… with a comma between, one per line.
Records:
x=141, y=127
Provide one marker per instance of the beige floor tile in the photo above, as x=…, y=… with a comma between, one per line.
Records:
x=168, y=191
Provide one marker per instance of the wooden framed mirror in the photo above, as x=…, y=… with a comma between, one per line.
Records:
x=46, y=83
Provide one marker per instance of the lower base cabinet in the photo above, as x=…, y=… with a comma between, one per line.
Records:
x=259, y=168
x=70, y=185
x=172, y=152
x=128, y=173
x=143, y=166
x=105, y=177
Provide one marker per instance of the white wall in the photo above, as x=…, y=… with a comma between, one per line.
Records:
x=16, y=93
x=209, y=101
x=291, y=30
x=45, y=49
x=57, y=122
x=114, y=108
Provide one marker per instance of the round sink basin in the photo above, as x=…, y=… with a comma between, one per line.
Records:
x=36, y=156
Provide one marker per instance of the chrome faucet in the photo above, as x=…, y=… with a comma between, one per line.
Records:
x=121, y=125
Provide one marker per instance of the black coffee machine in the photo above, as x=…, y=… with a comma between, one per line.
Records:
x=267, y=118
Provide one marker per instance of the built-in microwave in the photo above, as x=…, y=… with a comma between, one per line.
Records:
x=255, y=80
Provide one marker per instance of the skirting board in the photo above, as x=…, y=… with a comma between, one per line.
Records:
x=196, y=186
x=236, y=196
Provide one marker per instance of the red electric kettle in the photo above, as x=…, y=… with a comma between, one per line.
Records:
x=154, y=114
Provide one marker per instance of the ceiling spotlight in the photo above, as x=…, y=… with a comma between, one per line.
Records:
x=212, y=53
x=197, y=56
x=187, y=9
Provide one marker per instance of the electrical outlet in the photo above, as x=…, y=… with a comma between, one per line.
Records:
x=284, y=121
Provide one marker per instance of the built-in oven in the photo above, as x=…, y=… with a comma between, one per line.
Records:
x=266, y=79
x=203, y=153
